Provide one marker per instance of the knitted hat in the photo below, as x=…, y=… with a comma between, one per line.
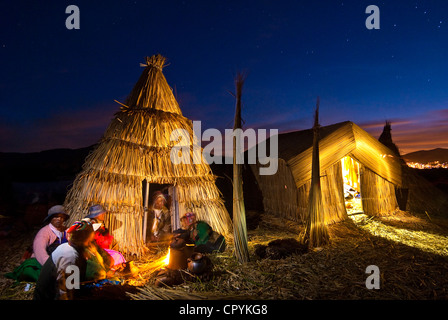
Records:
x=188, y=215
x=80, y=231
x=95, y=225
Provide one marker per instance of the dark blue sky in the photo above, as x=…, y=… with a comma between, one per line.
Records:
x=58, y=86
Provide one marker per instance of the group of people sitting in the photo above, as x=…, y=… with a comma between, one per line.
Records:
x=85, y=247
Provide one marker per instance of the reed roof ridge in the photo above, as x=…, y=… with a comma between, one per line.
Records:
x=157, y=61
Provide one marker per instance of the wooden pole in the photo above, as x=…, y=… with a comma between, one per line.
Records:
x=145, y=218
x=239, y=213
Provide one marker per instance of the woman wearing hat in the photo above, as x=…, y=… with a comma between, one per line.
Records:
x=103, y=239
x=53, y=279
x=45, y=242
x=102, y=236
x=159, y=218
x=206, y=240
x=51, y=235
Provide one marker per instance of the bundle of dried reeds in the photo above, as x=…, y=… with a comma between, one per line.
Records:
x=316, y=232
x=239, y=211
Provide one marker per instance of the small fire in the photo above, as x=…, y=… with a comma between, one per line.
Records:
x=166, y=261
x=148, y=268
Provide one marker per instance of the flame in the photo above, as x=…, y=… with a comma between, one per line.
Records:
x=147, y=268
x=166, y=261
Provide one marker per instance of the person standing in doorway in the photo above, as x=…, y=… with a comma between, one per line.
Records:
x=159, y=218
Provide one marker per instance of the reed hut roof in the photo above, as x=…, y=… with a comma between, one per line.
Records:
x=137, y=146
x=337, y=141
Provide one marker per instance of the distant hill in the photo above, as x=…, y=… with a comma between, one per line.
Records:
x=50, y=171
x=49, y=165
x=425, y=156
x=37, y=177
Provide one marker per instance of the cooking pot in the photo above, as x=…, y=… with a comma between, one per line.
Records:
x=196, y=263
x=179, y=253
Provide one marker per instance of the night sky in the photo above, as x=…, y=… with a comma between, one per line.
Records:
x=58, y=86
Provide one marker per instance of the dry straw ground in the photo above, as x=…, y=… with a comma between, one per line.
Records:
x=410, y=251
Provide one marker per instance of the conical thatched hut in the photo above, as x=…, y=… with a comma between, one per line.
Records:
x=137, y=147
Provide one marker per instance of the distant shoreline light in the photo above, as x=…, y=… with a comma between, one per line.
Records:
x=428, y=165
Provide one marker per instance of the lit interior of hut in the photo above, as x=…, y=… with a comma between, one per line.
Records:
x=352, y=190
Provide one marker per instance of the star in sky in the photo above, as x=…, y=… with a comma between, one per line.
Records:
x=294, y=52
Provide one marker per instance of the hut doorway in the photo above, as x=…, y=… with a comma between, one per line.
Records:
x=170, y=193
x=352, y=185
